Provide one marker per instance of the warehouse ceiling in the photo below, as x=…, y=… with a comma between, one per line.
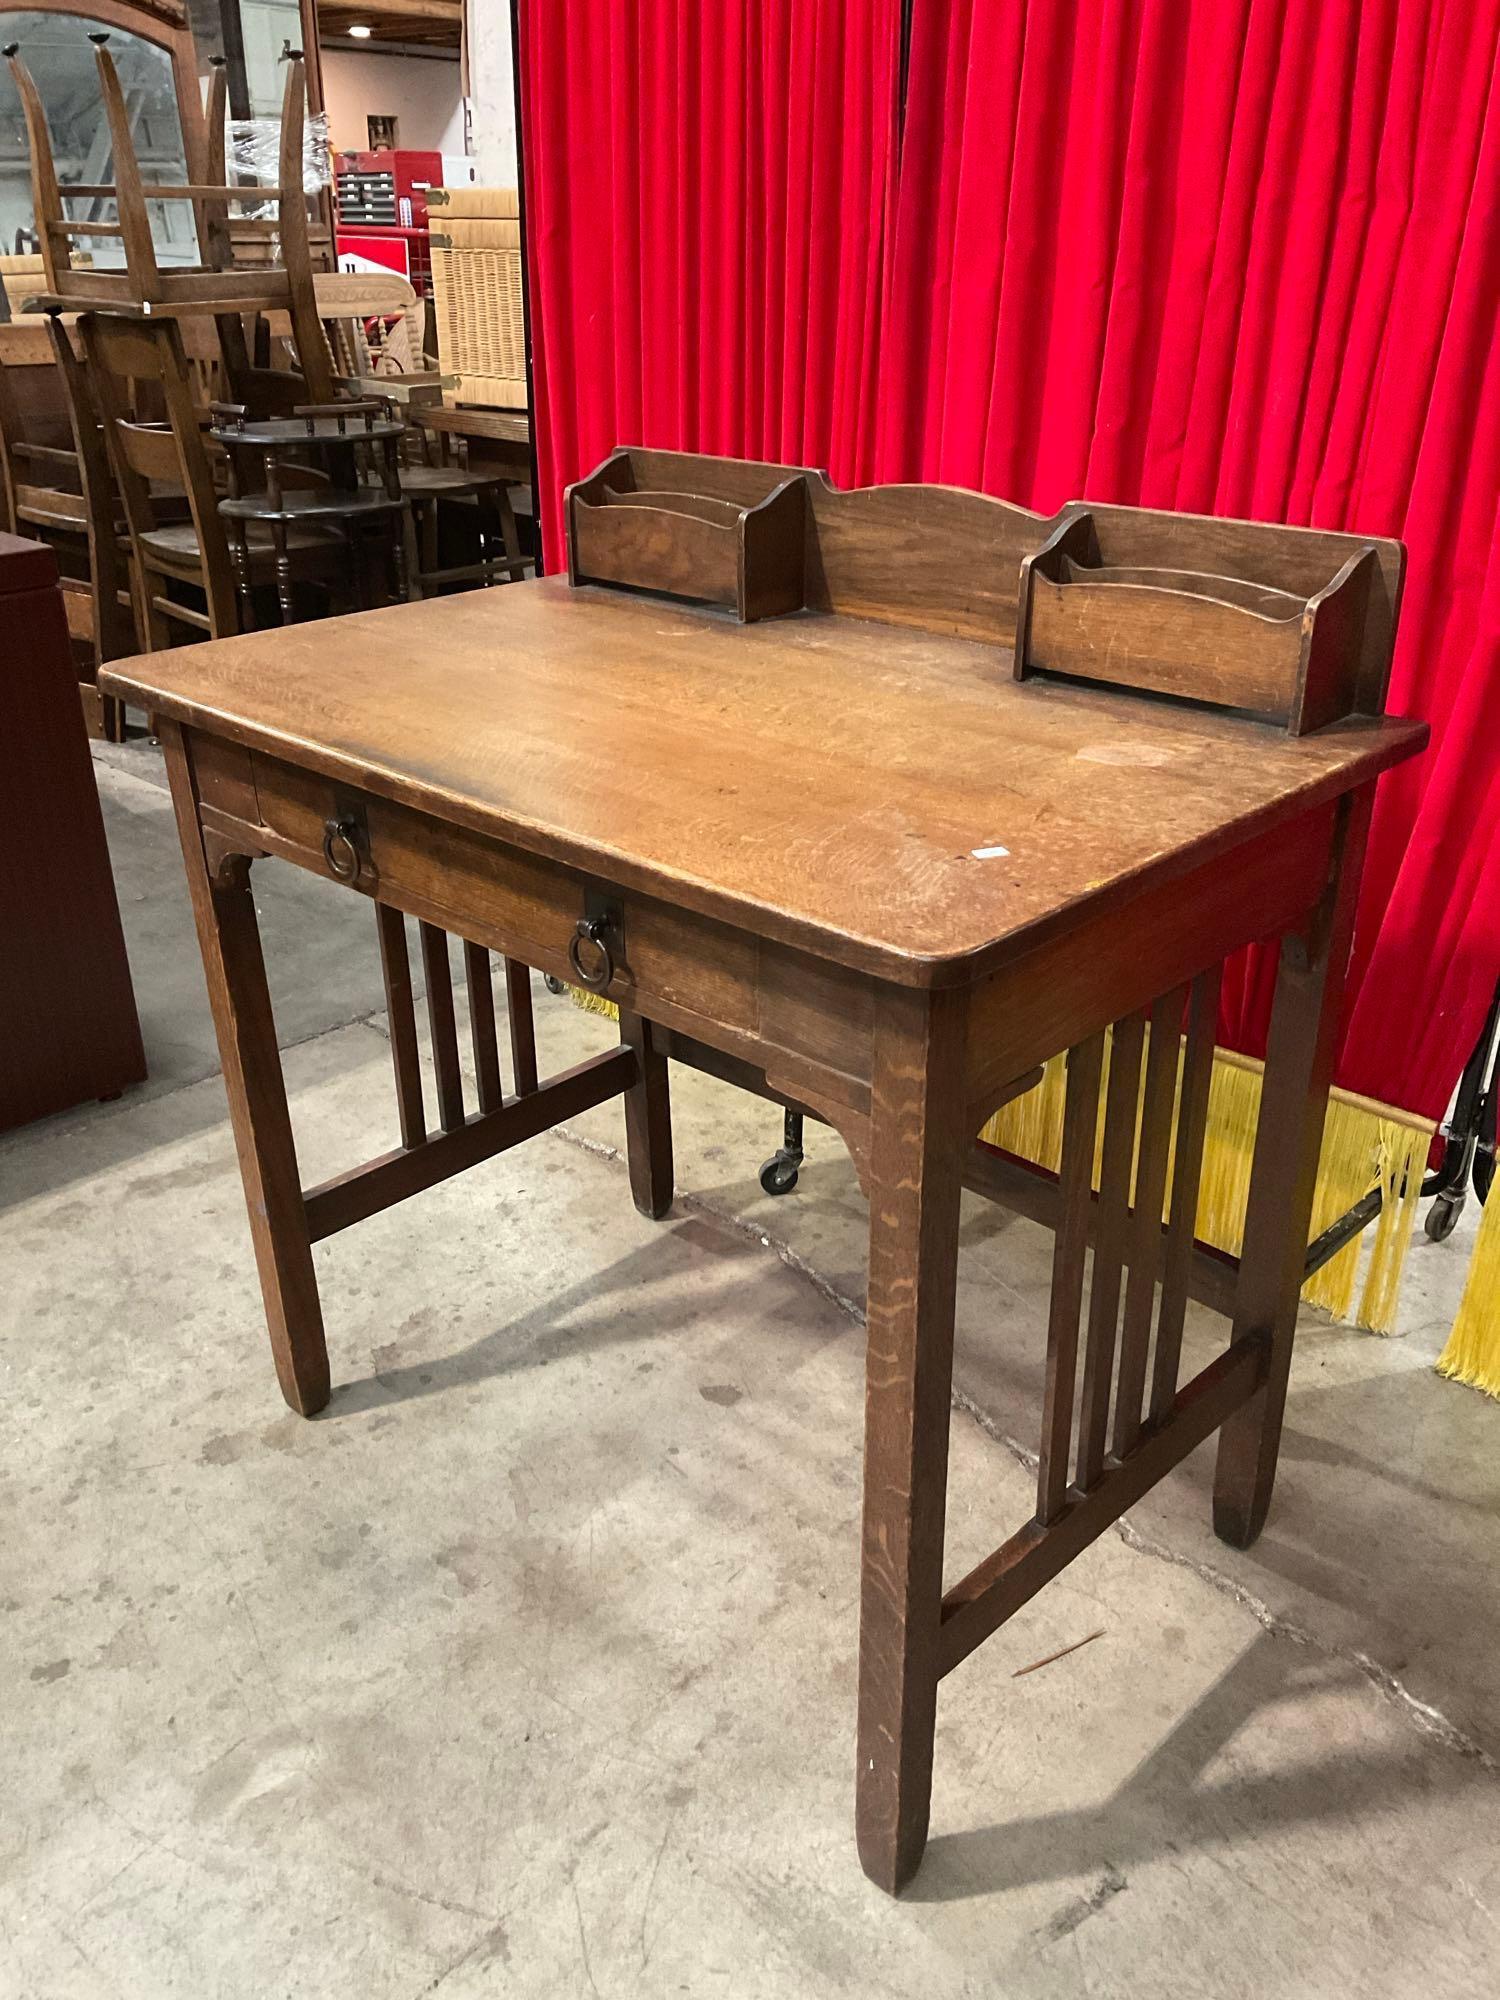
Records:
x=413, y=23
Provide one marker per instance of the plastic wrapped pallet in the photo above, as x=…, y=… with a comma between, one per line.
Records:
x=476, y=291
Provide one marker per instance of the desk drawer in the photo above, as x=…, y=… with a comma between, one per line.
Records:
x=811, y=1021
x=666, y=959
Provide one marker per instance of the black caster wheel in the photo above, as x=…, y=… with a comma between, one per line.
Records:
x=1442, y=1217
x=778, y=1176
x=553, y=984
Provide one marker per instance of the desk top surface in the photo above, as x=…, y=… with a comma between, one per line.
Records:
x=890, y=799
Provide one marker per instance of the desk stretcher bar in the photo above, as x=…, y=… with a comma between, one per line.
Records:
x=986, y=870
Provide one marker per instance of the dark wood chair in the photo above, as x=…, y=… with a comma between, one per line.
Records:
x=55, y=486
x=331, y=466
x=477, y=498
x=183, y=574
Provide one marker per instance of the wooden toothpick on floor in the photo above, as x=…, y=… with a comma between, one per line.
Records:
x=1061, y=1654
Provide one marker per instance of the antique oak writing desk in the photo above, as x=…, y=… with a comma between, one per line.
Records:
x=1050, y=773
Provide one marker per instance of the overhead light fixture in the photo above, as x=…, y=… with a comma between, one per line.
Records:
x=360, y=33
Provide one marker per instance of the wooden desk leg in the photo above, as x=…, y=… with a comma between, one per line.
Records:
x=648, y=1121
x=917, y=1148
x=1300, y=1050
x=235, y=971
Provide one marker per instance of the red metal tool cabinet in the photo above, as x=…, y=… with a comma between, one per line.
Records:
x=382, y=204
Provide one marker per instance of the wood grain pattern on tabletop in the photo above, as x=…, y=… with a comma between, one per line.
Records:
x=651, y=741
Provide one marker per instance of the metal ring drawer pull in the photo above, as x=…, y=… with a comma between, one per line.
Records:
x=340, y=850
x=594, y=931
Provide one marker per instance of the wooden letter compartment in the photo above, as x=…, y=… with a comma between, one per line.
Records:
x=1291, y=624
x=749, y=557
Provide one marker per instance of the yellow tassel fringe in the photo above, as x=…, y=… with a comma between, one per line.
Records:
x=593, y=1003
x=1472, y=1354
x=1363, y=1143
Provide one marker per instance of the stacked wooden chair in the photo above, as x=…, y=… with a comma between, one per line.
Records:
x=163, y=344
x=218, y=286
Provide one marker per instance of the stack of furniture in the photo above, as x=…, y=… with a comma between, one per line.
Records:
x=168, y=496
x=137, y=469
x=329, y=487
x=218, y=286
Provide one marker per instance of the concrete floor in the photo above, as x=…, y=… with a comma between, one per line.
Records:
x=528, y=1669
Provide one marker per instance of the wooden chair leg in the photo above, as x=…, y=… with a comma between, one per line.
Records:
x=244, y=576
x=510, y=535
x=407, y=569
x=1294, y=1099
x=155, y=632
x=648, y=1121
x=916, y=1161
x=430, y=546
x=284, y=595
x=358, y=588
x=224, y=910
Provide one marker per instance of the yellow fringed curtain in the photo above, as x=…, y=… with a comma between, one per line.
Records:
x=1472, y=1354
x=1363, y=1143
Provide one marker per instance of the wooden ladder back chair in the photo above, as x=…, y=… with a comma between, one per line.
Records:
x=39, y=484
x=208, y=288
x=129, y=361
x=51, y=490
x=248, y=242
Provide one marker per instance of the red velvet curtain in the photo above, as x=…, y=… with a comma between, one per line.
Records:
x=707, y=197
x=1243, y=257
x=1229, y=256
